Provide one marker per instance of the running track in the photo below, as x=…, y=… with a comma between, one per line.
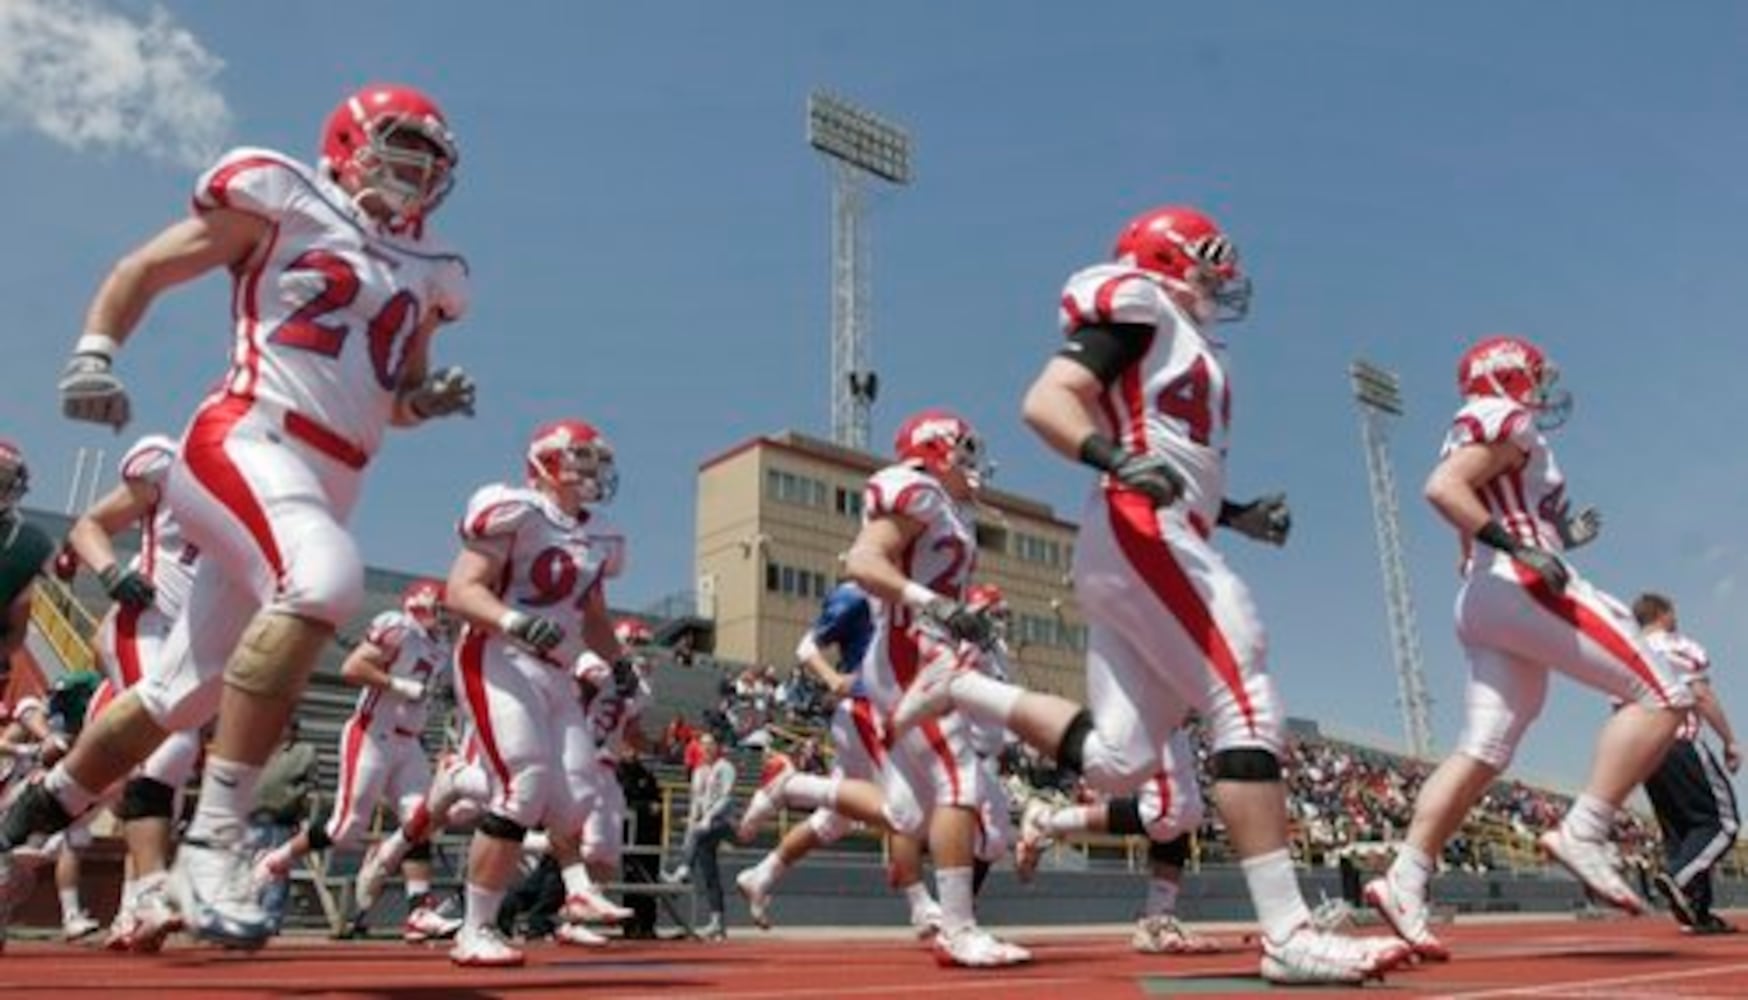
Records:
x=1508, y=958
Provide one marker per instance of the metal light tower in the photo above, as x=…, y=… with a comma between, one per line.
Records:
x=861, y=145
x=1379, y=394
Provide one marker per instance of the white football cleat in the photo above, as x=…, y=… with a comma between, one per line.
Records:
x=757, y=896
x=1311, y=956
x=926, y=920
x=579, y=936
x=484, y=947
x=427, y=923
x=1164, y=934
x=1591, y=863
x=590, y=907
x=216, y=891
x=121, y=931
x=929, y=695
x=79, y=925
x=154, y=918
x=1029, y=849
x=765, y=802
x=1408, y=917
x=976, y=948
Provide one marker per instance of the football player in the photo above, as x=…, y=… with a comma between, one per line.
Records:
x=1522, y=612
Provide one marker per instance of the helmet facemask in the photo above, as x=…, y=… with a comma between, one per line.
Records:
x=1551, y=404
x=14, y=478
x=407, y=162
x=586, y=466
x=1213, y=277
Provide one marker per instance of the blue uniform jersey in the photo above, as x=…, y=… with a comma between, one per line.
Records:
x=846, y=620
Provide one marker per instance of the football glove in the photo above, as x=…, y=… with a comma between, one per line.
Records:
x=1580, y=529
x=1544, y=564
x=90, y=391
x=443, y=393
x=532, y=632
x=1267, y=519
x=127, y=587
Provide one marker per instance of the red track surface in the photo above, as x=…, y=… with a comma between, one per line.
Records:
x=1545, y=958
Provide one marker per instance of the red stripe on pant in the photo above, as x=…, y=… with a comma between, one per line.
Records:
x=938, y=741
x=1592, y=625
x=862, y=716
x=352, y=743
x=1135, y=525
x=127, y=644
x=213, y=467
x=473, y=683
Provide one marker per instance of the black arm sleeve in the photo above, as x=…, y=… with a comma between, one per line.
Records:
x=1107, y=350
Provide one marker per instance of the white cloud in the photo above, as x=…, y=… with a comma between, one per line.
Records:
x=92, y=77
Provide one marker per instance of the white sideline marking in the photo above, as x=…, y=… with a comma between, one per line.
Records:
x=1585, y=985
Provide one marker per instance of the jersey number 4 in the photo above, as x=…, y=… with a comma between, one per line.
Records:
x=306, y=331
x=1188, y=399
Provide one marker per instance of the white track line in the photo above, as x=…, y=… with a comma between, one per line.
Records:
x=1580, y=985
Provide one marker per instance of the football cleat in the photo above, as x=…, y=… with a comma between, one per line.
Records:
x=79, y=925
x=372, y=872
x=579, y=936
x=1408, y=917
x=1310, y=956
x=926, y=920
x=975, y=948
x=1034, y=837
x=1593, y=865
x=1164, y=934
x=216, y=892
x=757, y=897
x=154, y=918
x=590, y=907
x=428, y=922
x=484, y=947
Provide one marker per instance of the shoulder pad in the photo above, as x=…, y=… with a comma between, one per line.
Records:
x=496, y=512
x=1491, y=420
x=258, y=181
x=900, y=489
x=1113, y=294
x=149, y=460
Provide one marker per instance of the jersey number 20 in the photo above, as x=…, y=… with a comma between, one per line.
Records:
x=305, y=330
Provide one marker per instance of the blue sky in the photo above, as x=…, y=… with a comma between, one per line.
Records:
x=648, y=233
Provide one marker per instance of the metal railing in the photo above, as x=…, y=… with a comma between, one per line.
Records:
x=64, y=623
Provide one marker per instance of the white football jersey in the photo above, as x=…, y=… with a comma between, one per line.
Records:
x=325, y=316
x=1691, y=663
x=1175, y=401
x=1527, y=500
x=552, y=564
x=412, y=653
x=165, y=557
x=941, y=558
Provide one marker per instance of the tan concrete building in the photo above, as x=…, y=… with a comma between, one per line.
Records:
x=776, y=513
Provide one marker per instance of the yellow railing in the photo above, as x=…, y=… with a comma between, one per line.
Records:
x=65, y=623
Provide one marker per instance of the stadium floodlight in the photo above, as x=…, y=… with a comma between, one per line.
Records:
x=860, y=144
x=1379, y=394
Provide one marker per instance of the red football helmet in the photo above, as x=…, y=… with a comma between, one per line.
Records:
x=423, y=603
x=573, y=453
x=631, y=632
x=14, y=475
x=1192, y=254
x=392, y=141
x=940, y=441
x=1515, y=369
x=988, y=598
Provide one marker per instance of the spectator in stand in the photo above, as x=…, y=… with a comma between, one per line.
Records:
x=709, y=821
x=282, y=805
x=694, y=753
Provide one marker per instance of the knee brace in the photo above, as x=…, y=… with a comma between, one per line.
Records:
x=420, y=851
x=125, y=735
x=320, y=838
x=1123, y=816
x=1245, y=764
x=1071, y=752
x=277, y=654
x=501, y=828
x=1174, y=853
x=144, y=798
x=828, y=826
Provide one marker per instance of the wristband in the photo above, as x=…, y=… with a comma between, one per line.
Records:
x=1101, y=452
x=1493, y=535
x=509, y=621
x=806, y=649
x=101, y=344
x=916, y=596
x=406, y=687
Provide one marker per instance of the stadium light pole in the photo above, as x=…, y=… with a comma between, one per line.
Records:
x=861, y=145
x=1379, y=394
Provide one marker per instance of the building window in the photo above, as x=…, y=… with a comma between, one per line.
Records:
x=771, y=577
x=992, y=538
x=792, y=581
x=847, y=502
x=788, y=487
x=1043, y=551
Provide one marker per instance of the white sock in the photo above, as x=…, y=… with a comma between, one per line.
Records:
x=482, y=907
x=957, y=913
x=1411, y=870
x=1069, y=819
x=984, y=698
x=227, y=793
x=69, y=903
x=768, y=871
x=917, y=894
x=576, y=879
x=1590, y=819
x=810, y=791
x=73, y=797
x=417, y=889
x=130, y=891
x=1161, y=897
x=1274, y=889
